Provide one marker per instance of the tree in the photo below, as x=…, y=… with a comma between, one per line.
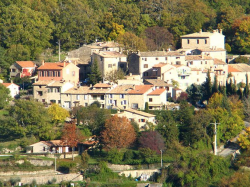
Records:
x=95, y=75
x=152, y=140
x=215, y=85
x=244, y=139
x=158, y=38
x=58, y=113
x=146, y=107
x=241, y=59
x=5, y=96
x=131, y=42
x=175, y=83
x=246, y=89
x=71, y=136
x=194, y=93
x=118, y=133
x=28, y=118
x=26, y=32
x=207, y=87
x=115, y=75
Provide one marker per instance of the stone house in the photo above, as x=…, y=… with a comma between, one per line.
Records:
x=203, y=40
x=22, y=69
x=141, y=118
x=157, y=99
x=59, y=71
x=199, y=61
x=238, y=72
x=14, y=89
x=141, y=63
x=109, y=61
x=82, y=55
x=138, y=96
x=52, y=146
x=158, y=84
x=49, y=91
x=75, y=96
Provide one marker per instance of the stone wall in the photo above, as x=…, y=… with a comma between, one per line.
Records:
x=117, y=167
x=45, y=178
x=37, y=162
x=17, y=173
x=138, y=173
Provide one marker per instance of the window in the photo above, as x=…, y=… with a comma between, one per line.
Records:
x=40, y=93
x=150, y=99
x=77, y=97
x=182, y=77
x=156, y=58
x=57, y=89
x=166, y=58
x=13, y=70
x=187, y=41
x=59, y=74
x=205, y=41
x=198, y=41
x=59, y=101
x=145, y=74
x=110, y=95
x=113, y=64
x=146, y=59
x=43, y=100
x=205, y=62
x=109, y=65
x=50, y=90
x=73, y=73
x=122, y=96
x=102, y=97
x=197, y=72
x=191, y=63
x=197, y=80
x=86, y=104
x=143, y=120
x=94, y=97
x=178, y=62
x=110, y=102
x=124, y=102
x=40, y=86
x=177, y=57
x=145, y=66
x=201, y=62
x=135, y=105
x=85, y=97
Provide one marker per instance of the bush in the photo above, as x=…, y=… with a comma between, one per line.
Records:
x=115, y=156
x=85, y=159
x=14, y=180
x=129, y=154
x=65, y=166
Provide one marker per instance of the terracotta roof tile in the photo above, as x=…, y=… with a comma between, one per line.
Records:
x=219, y=62
x=8, y=84
x=53, y=65
x=160, y=54
x=198, y=57
x=157, y=92
x=140, y=112
x=140, y=89
x=159, y=65
x=120, y=89
x=157, y=82
x=25, y=64
x=42, y=82
x=76, y=90
x=110, y=54
x=102, y=85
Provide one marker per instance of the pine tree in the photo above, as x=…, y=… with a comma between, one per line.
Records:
x=95, y=75
x=207, y=86
x=246, y=89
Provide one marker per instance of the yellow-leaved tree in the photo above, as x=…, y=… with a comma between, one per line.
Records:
x=244, y=139
x=58, y=113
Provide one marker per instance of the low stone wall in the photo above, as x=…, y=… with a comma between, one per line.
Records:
x=45, y=179
x=117, y=167
x=37, y=162
x=12, y=173
x=138, y=173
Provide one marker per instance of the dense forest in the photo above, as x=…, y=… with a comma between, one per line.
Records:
x=28, y=27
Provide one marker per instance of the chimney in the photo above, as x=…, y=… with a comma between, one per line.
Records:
x=200, y=31
x=220, y=31
x=42, y=62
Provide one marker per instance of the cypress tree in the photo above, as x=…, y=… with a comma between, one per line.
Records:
x=95, y=75
x=246, y=89
x=215, y=85
x=207, y=86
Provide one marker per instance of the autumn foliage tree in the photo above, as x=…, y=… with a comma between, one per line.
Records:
x=118, y=133
x=58, y=113
x=152, y=140
x=71, y=135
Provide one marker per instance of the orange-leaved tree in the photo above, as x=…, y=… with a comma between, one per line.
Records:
x=118, y=133
x=71, y=135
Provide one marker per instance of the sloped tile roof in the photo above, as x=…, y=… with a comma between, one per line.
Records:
x=120, y=89
x=102, y=85
x=8, y=84
x=76, y=90
x=156, y=82
x=140, y=112
x=159, y=65
x=25, y=64
x=219, y=62
x=198, y=57
x=238, y=68
x=110, y=54
x=42, y=83
x=53, y=65
x=157, y=92
x=160, y=54
x=140, y=89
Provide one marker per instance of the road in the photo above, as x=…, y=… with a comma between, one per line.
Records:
x=233, y=146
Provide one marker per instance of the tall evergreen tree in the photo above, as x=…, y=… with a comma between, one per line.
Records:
x=215, y=85
x=207, y=87
x=95, y=75
x=246, y=89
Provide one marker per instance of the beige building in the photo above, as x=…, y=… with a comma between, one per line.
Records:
x=109, y=61
x=141, y=63
x=199, y=61
x=22, y=69
x=14, y=89
x=157, y=99
x=138, y=96
x=238, y=72
x=141, y=118
x=76, y=96
x=49, y=91
x=202, y=40
x=158, y=84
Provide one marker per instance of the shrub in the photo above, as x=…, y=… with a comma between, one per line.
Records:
x=129, y=154
x=115, y=156
x=85, y=159
x=65, y=166
x=14, y=180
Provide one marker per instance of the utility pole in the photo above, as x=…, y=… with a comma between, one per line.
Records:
x=215, y=137
x=161, y=158
x=59, y=48
x=55, y=162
